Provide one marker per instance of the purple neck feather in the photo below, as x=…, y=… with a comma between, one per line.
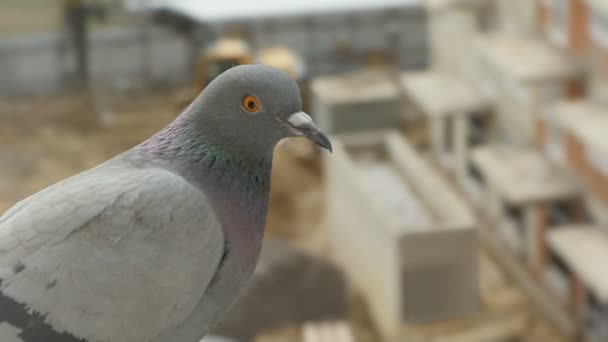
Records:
x=237, y=185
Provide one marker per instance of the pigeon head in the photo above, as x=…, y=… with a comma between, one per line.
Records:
x=250, y=108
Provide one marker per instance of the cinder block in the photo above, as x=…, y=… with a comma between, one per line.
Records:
x=358, y=101
x=420, y=267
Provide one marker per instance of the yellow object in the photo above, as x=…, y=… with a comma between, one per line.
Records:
x=229, y=52
x=283, y=59
x=219, y=57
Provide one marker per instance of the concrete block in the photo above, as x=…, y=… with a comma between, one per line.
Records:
x=358, y=101
x=418, y=268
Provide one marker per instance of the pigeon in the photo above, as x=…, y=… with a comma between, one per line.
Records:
x=155, y=244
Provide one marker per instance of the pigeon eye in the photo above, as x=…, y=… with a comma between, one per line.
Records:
x=251, y=103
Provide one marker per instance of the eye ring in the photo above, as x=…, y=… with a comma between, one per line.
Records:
x=251, y=103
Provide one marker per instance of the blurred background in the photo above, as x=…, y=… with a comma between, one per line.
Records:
x=467, y=195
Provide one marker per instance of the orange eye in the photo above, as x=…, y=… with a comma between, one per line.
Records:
x=251, y=103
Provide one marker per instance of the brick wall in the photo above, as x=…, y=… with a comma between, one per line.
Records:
x=543, y=16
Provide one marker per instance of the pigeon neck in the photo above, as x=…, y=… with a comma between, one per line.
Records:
x=238, y=189
x=198, y=155
x=238, y=185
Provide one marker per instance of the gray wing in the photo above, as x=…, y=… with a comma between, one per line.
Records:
x=112, y=254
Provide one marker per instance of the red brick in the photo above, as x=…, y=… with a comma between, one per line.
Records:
x=543, y=16
x=575, y=89
x=579, y=37
x=541, y=132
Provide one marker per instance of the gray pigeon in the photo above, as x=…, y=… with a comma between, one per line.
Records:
x=156, y=243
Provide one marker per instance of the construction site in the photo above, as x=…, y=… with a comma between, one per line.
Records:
x=466, y=198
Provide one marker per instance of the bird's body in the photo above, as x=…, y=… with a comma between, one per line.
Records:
x=154, y=244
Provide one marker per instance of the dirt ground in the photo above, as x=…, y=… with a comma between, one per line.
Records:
x=45, y=140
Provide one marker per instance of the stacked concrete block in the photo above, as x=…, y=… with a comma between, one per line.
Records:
x=521, y=91
x=456, y=115
x=364, y=100
x=547, y=176
x=579, y=134
x=419, y=267
x=522, y=189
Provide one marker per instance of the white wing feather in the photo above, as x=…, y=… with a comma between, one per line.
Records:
x=111, y=254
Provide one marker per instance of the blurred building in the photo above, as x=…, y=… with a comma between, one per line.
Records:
x=512, y=94
x=513, y=101
x=542, y=178
x=343, y=103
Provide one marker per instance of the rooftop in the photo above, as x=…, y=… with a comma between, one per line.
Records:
x=441, y=94
x=523, y=175
x=584, y=249
x=507, y=52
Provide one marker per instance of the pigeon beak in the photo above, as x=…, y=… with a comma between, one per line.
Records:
x=303, y=123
